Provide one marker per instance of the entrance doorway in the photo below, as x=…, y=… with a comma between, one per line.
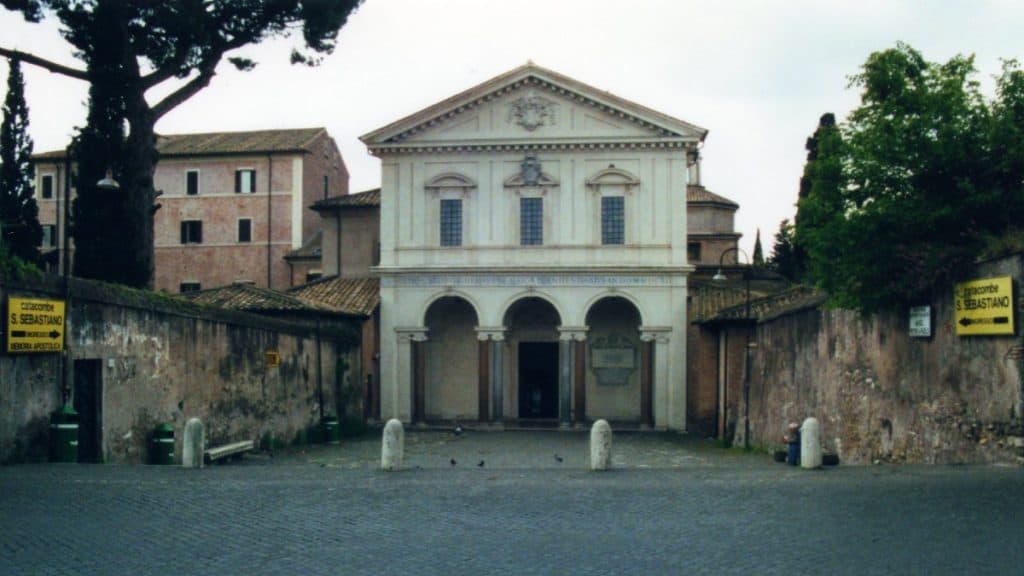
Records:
x=88, y=404
x=538, y=380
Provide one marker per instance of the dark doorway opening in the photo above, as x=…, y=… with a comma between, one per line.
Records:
x=88, y=404
x=538, y=380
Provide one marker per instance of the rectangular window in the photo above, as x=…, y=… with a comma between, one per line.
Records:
x=326, y=185
x=245, y=181
x=49, y=236
x=245, y=230
x=191, y=232
x=531, y=221
x=192, y=182
x=314, y=275
x=185, y=287
x=451, y=222
x=693, y=251
x=613, y=220
x=47, y=183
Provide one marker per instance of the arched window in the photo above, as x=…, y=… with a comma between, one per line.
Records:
x=451, y=190
x=613, y=185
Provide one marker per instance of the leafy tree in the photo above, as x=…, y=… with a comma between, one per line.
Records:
x=19, y=215
x=905, y=193
x=130, y=47
x=783, y=258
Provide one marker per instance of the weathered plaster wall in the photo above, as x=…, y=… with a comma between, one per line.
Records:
x=882, y=395
x=167, y=361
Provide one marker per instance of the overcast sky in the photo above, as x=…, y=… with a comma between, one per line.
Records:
x=758, y=74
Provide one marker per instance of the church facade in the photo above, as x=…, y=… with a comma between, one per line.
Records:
x=533, y=257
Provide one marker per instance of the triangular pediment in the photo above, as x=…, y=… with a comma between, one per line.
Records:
x=532, y=104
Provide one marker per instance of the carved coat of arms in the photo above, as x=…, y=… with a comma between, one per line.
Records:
x=532, y=112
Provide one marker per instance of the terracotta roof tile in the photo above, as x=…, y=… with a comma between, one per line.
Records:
x=773, y=306
x=218, y=143
x=311, y=249
x=356, y=296
x=359, y=200
x=250, y=298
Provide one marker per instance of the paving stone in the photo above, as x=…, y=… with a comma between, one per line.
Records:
x=673, y=506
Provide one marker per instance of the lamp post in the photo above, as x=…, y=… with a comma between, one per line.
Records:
x=720, y=277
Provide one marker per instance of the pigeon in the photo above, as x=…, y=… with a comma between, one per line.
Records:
x=481, y=464
x=453, y=461
x=558, y=458
x=458, y=431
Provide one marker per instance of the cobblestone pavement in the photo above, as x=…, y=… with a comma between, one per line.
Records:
x=672, y=506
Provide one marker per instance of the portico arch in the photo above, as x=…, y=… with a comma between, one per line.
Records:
x=535, y=386
x=615, y=367
x=451, y=370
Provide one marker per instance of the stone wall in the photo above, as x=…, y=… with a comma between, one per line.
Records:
x=883, y=396
x=162, y=359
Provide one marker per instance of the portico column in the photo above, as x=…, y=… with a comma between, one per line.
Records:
x=577, y=336
x=653, y=370
x=412, y=366
x=492, y=343
x=566, y=337
x=498, y=373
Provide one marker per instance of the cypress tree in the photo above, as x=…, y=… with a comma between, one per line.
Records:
x=19, y=214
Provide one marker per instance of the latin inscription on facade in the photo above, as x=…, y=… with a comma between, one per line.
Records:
x=520, y=280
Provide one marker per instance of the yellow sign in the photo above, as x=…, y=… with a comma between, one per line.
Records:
x=984, y=307
x=35, y=325
x=272, y=359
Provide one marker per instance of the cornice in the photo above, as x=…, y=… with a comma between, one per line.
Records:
x=533, y=77
x=532, y=270
x=481, y=147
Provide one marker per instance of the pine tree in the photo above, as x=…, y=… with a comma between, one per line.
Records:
x=758, y=251
x=19, y=215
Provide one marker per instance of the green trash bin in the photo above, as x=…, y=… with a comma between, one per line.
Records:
x=162, y=448
x=332, y=430
x=64, y=435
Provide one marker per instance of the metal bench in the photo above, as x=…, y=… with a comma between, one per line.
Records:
x=234, y=450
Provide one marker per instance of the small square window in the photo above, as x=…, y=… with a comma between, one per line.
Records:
x=186, y=287
x=451, y=222
x=245, y=230
x=49, y=236
x=192, y=182
x=47, y=187
x=191, y=232
x=693, y=251
x=245, y=181
x=531, y=221
x=613, y=220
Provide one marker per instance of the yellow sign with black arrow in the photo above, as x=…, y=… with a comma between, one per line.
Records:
x=984, y=307
x=35, y=325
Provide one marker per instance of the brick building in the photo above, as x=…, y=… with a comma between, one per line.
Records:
x=234, y=204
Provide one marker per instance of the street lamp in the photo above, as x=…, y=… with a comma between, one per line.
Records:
x=720, y=277
x=108, y=182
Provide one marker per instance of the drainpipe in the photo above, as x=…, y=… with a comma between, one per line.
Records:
x=319, y=371
x=337, y=251
x=270, y=214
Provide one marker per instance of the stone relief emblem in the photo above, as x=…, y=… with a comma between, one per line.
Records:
x=530, y=170
x=532, y=112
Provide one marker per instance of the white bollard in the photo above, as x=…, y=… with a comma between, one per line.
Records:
x=601, y=446
x=810, y=444
x=194, y=444
x=392, y=448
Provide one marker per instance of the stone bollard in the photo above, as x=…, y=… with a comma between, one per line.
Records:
x=392, y=448
x=601, y=446
x=810, y=444
x=194, y=445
